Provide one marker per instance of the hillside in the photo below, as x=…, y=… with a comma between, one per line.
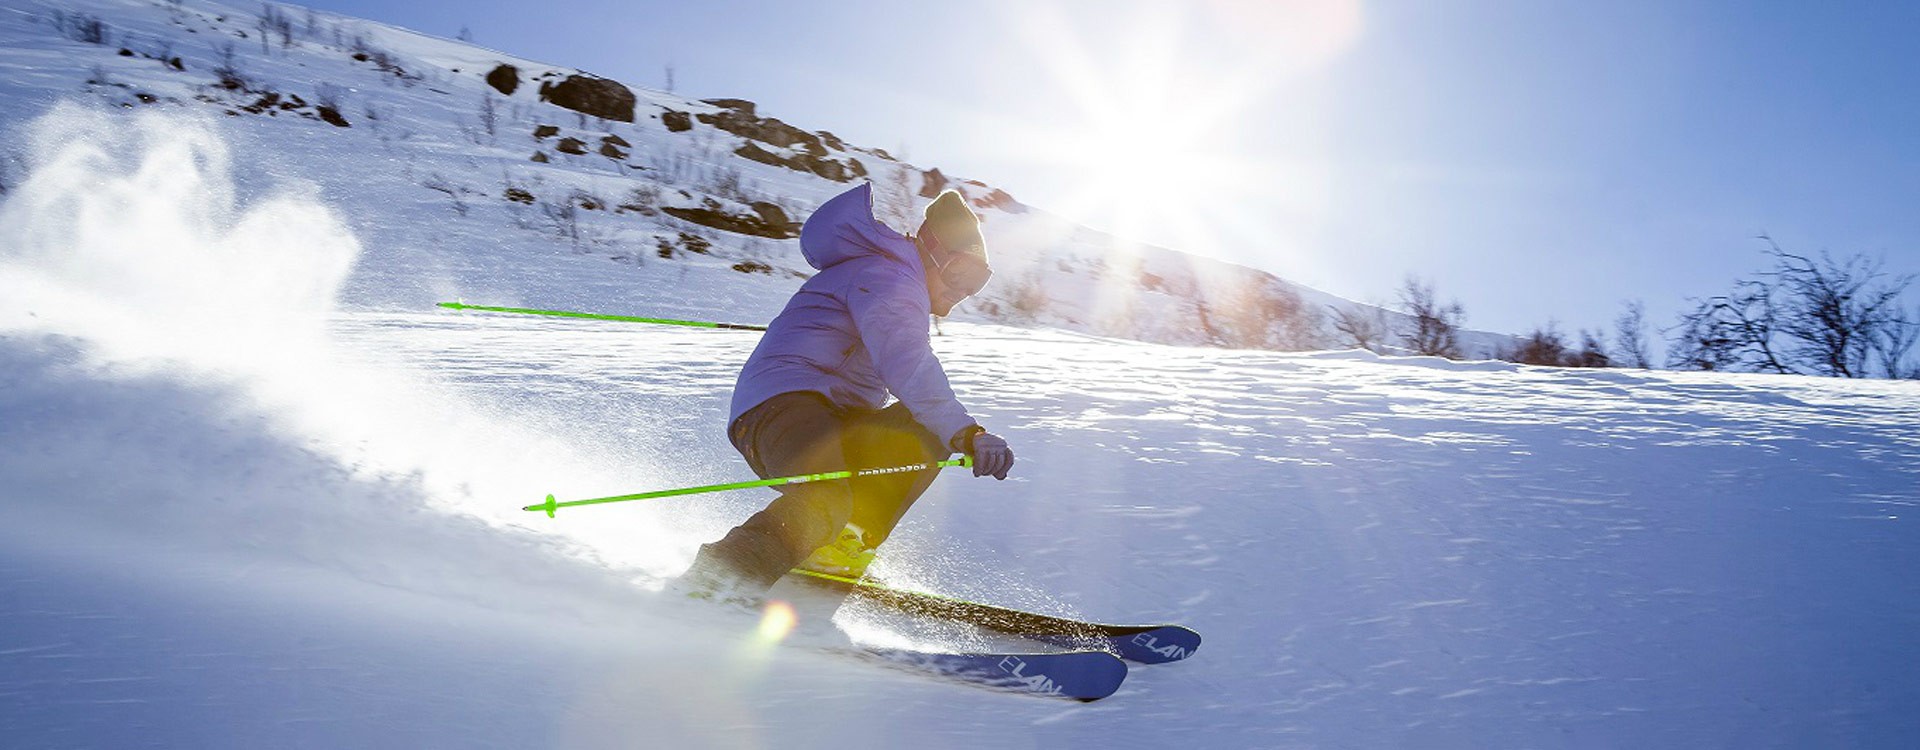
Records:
x=257, y=492
x=510, y=167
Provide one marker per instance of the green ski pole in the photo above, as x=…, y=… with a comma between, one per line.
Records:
x=551, y=505
x=600, y=316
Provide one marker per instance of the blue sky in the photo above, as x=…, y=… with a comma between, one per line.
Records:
x=1536, y=160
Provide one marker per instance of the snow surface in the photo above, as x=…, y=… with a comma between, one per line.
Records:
x=257, y=493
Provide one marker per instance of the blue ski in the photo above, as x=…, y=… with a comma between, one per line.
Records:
x=1147, y=644
x=1080, y=675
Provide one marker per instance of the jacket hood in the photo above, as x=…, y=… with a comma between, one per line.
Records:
x=844, y=228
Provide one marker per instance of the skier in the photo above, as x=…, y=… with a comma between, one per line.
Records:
x=812, y=397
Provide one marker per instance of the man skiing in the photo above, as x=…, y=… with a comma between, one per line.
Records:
x=812, y=398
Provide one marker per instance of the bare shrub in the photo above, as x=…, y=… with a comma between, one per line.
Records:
x=1803, y=316
x=85, y=28
x=1630, y=336
x=489, y=115
x=439, y=183
x=1361, y=328
x=1435, y=326
x=227, y=67
x=1028, y=296
x=563, y=218
x=274, y=21
x=1263, y=313
x=1592, y=352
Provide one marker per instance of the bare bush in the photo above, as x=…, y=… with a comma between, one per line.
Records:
x=1028, y=296
x=439, y=183
x=1804, y=316
x=564, y=219
x=1361, y=328
x=1545, y=345
x=329, y=96
x=1435, y=326
x=273, y=22
x=489, y=115
x=642, y=200
x=227, y=67
x=1630, y=336
x=81, y=27
x=1592, y=352
x=1261, y=313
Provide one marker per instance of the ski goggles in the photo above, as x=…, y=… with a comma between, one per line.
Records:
x=963, y=272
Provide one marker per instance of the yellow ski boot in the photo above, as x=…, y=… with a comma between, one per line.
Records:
x=848, y=555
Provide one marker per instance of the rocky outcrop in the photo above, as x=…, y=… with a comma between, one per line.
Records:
x=832, y=169
x=573, y=146
x=932, y=182
x=611, y=147
x=504, y=78
x=808, y=152
x=766, y=220
x=676, y=121
x=599, y=97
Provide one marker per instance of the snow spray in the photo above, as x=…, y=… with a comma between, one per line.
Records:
x=132, y=237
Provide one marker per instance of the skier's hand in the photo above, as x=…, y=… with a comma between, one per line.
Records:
x=991, y=455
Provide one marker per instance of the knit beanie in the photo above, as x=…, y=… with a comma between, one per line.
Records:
x=955, y=226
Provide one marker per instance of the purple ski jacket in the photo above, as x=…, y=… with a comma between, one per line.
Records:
x=857, y=331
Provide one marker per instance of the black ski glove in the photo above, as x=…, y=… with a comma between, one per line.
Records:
x=990, y=454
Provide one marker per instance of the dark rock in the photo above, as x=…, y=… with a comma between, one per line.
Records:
x=541, y=157
x=174, y=62
x=124, y=52
x=504, y=78
x=332, y=116
x=753, y=152
x=611, y=151
x=833, y=141
x=543, y=132
x=695, y=243
x=571, y=146
x=615, y=140
x=753, y=266
x=932, y=182
x=739, y=120
x=755, y=224
x=599, y=97
x=828, y=168
x=518, y=195
x=676, y=122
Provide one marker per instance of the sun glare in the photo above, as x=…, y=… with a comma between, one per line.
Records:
x=1162, y=99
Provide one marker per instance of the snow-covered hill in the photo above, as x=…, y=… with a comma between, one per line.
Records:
x=509, y=168
x=254, y=492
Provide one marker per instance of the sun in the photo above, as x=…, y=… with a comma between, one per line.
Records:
x=1162, y=102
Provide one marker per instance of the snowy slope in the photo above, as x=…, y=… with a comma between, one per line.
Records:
x=426, y=135
x=256, y=493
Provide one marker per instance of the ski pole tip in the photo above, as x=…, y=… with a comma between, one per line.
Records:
x=547, y=506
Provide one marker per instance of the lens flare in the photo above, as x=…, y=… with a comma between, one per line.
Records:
x=776, y=622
